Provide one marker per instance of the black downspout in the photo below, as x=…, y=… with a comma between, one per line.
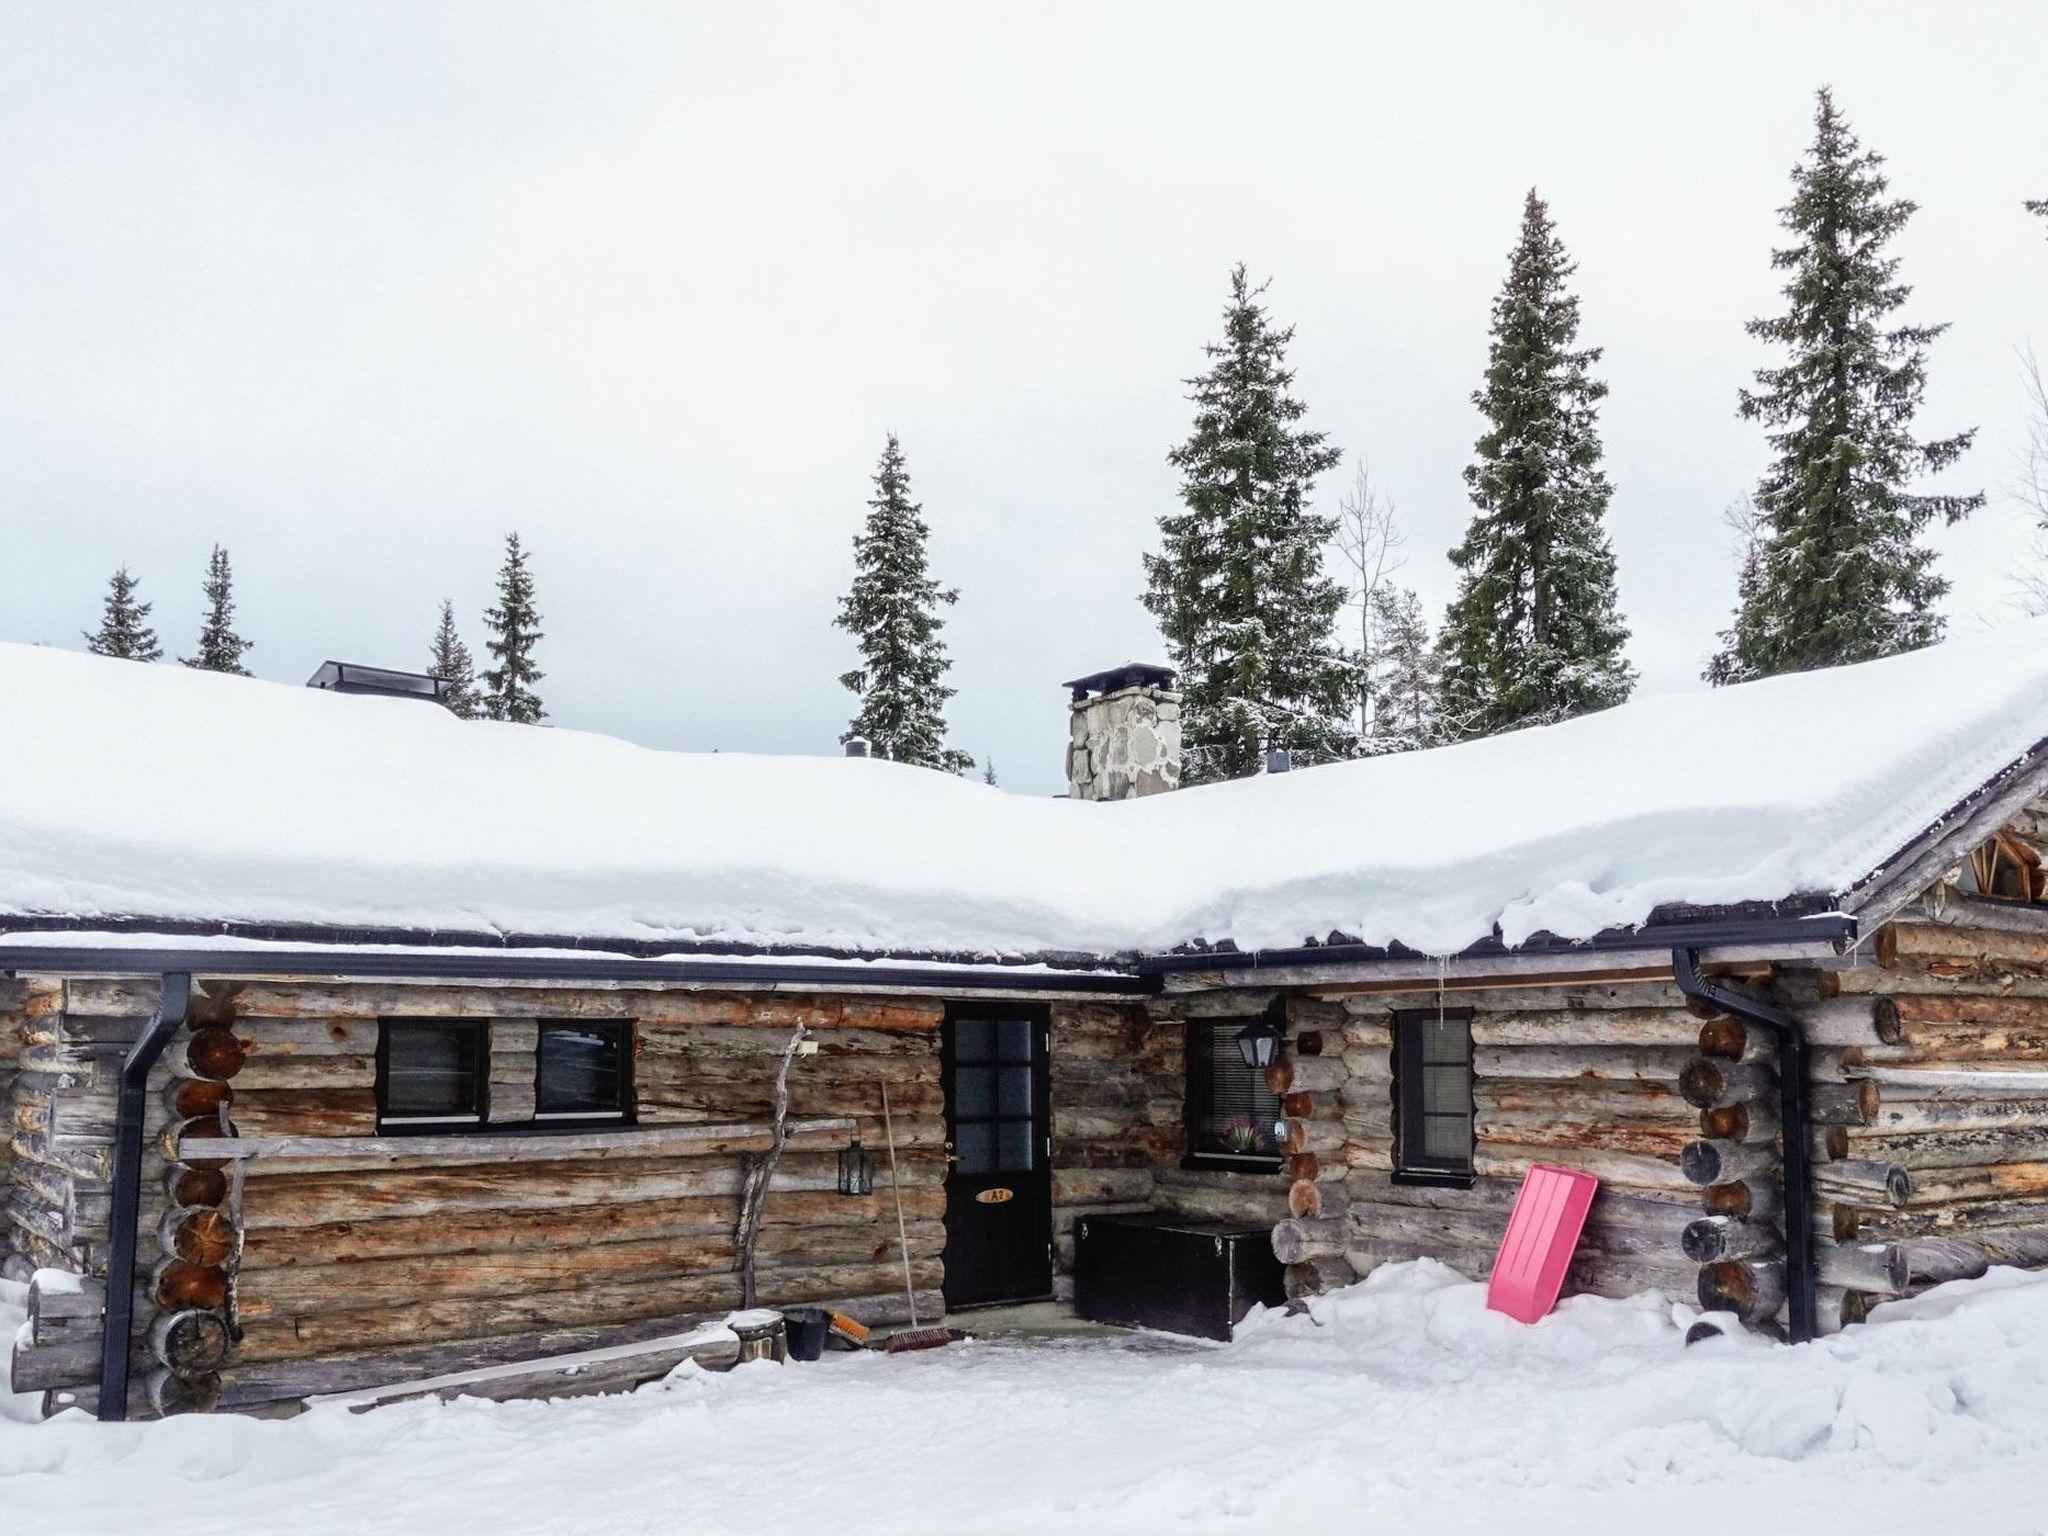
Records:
x=1794, y=1129
x=127, y=1192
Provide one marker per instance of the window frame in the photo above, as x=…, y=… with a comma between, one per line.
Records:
x=2003, y=848
x=431, y=1125
x=1413, y=1164
x=628, y=1111
x=1197, y=1071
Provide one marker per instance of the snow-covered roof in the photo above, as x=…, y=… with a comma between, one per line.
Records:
x=157, y=793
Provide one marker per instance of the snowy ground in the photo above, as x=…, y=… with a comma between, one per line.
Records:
x=1401, y=1405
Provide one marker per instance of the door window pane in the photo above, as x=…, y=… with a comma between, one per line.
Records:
x=1016, y=1146
x=971, y=1091
x=974, y=1040
x=1015, y=1037
x=975, y=1147
x=1016, y=1091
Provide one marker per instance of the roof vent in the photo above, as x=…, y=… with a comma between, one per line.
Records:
x=856, y=746
x=348, y=677
x=1279, y=760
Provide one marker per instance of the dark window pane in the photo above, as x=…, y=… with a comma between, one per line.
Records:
x=972, y=1095
x=1446, y=1136
x=1446, y=1089
x=1016, y=1146
x=1015, y=1035
x=1016, y=1091
x=974, y=1040
x=432, y=1071
x=1231, y=1111
x=581, y=1070
x=975, y=1146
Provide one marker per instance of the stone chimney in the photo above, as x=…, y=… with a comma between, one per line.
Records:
x=1123, y=733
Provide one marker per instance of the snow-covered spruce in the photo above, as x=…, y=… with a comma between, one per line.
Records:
x=1840, y=573
x=1238, y=584
x=515, y=630
x=220, y=647
x=124, y=630
x=892, y=611
x=1534, y=634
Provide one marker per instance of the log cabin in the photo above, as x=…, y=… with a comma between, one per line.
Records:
x=349, y=1044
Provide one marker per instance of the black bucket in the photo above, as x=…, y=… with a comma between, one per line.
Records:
x=806, y=1327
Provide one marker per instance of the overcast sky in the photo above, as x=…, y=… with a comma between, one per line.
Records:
x=355, y=289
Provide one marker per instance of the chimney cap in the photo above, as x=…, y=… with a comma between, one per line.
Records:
x=1132, y=674
x=856, y=746
x=1279, y=760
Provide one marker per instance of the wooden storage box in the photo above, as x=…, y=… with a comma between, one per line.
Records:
x=1173, y=1273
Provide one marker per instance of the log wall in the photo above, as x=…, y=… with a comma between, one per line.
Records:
x=1585, y=1077
x=337, y=1259
x=1935, y=1165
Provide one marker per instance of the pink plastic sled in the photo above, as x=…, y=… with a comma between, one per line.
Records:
x=1549, y=1214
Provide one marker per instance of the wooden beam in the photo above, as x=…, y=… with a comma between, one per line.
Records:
x=628, y=1141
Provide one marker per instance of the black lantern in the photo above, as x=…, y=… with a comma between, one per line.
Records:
x=856, y=1169
x=1258, y=1042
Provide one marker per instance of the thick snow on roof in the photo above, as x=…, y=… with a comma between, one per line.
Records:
x=132, y=791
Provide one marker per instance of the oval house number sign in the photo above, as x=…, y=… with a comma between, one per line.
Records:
x=995, y=1196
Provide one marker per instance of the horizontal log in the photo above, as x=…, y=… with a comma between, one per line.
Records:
x=1650, y=1103
x=1712, y=1083
x=204, y=1236
x=1843, y=1103
x=1757, y=1198
x=1740, y=1122
x=454, y=1232
x=1949, y=1148
x=1584, y=1133
x=279, y=1112
x=1972, y=1114
x=1753, y=1291
x=1587, y=1063
x=190, y=1344
x=1924, y=940
x=1878, y=1267
x=1637, y=1174
x=1299, y=1239
x=1713, y=1161
x=1306, y=1074
x=1850, y=1021
x=305, y=1290
x=379, y=1327
x=211, y=1053
x=1711, y=1238
x=629, y=1141
x=1857, y=1223
x=1611, y=1026
x=1994, y=1181
x=1483, y=1229
x=1494, y=996
x=1884, y=1182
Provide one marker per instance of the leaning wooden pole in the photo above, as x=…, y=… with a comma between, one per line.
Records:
x=761, y=1171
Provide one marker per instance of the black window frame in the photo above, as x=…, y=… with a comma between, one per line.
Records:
x=479, y=1031
x=1413, y=1164
x=1198, y=1087
x=627, y=1112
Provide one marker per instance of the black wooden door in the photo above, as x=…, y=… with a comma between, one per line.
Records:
x=998, y=1142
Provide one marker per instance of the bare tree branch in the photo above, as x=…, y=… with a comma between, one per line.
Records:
x=1369, y=538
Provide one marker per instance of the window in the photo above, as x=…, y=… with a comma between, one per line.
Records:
x=2005, y=869
x=997, y=1103
x=431, y=1072
x=1433, y=1095
x=1230, y=1110
x=583, y=1072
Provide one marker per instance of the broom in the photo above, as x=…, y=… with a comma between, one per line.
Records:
x=912, y=1337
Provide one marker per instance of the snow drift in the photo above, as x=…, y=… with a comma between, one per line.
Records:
x=158, y=793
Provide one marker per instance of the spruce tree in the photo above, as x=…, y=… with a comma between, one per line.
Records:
x=1238, y=586
x=124, y=629
x=1534, y=634
x=515, y=629
x=1406, y=674
x=892, y=611
x=450, y=661
x=1840, y=573
x=220, y=648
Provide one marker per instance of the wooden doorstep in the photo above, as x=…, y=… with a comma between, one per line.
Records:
x=475, y=1147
